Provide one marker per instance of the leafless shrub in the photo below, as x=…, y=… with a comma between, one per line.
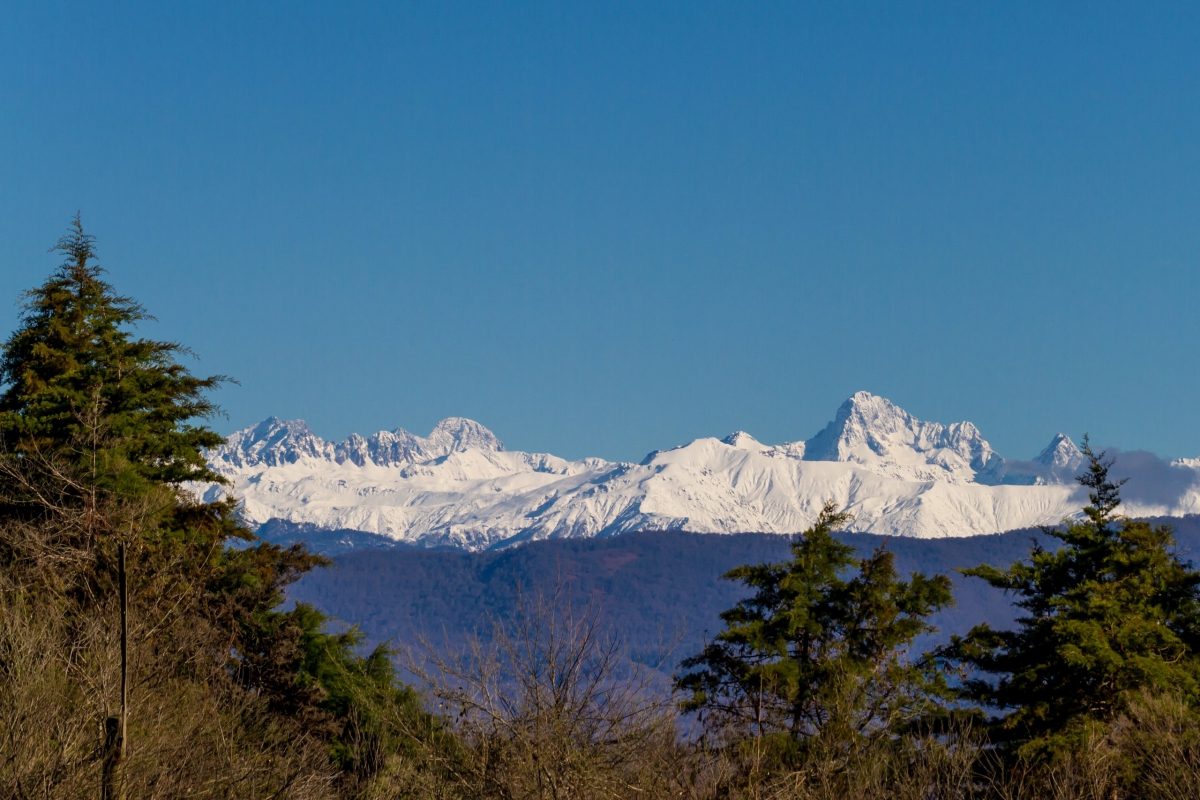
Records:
x=549, y=707
x=907, y=768
x=59, y=680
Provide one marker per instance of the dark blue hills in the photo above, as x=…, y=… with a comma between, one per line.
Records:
x=654, y=587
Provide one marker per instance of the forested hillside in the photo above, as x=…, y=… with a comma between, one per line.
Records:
x=656, y=588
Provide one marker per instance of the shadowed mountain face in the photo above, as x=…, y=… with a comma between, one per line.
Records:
x=655, y=587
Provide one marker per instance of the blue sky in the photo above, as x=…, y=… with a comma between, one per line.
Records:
x=601, y=229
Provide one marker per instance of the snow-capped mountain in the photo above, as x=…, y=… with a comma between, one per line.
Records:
x=274, y=442
x=459, y=487
x=1058, y=463
x=874, y=433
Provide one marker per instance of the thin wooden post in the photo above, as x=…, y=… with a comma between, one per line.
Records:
x=124, y=589
x=112, y=782
x=110, y=776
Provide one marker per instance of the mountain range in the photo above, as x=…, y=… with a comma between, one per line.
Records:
x=460, y=488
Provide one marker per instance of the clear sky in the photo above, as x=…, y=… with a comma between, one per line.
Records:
x=602, y=229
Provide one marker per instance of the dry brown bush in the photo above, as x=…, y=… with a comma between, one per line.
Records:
x=1158, y=740
x=59, y=680
x=548, y=706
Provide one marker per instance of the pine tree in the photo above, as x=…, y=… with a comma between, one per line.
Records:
x=1113, y=610
x=101, y=431
x=816, y=658
x=73, y=363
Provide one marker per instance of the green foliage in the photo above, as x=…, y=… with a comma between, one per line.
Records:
x=73, y=352
x=1112, y=611
x=99, y=433
x=368, y=715
x=816, y=658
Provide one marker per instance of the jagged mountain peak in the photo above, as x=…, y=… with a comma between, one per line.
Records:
x=460, y=433
x=274, y=442
x=863, y=419
x=1060, y=453
x=876, y=433
x=1058, y=463
x=273, y=427
x=458, y=486
x=743, y=441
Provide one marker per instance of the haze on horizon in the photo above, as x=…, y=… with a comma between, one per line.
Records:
x=602, y=229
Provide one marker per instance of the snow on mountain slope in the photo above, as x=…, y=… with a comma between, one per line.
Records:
x=887, y=440
x=459, y=487
x=274, y=442
x=1062, y=454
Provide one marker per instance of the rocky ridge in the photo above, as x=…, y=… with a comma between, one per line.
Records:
x=459, y=486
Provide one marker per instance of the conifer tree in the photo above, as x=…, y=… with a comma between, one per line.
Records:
x=1111, y=611
x=101, y=431
x=816, y=658
x=74, y=351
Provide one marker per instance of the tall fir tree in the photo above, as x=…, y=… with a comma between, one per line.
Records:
x=101, y=431
x=1111, y=611
x=817, y=657
x=74, y=352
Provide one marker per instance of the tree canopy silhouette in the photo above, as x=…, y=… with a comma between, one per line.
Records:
x=1112, y=611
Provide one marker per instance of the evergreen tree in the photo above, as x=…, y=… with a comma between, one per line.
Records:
x=816, y=658
x=100, y=431
x=1111, y=611
x=74, y=354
